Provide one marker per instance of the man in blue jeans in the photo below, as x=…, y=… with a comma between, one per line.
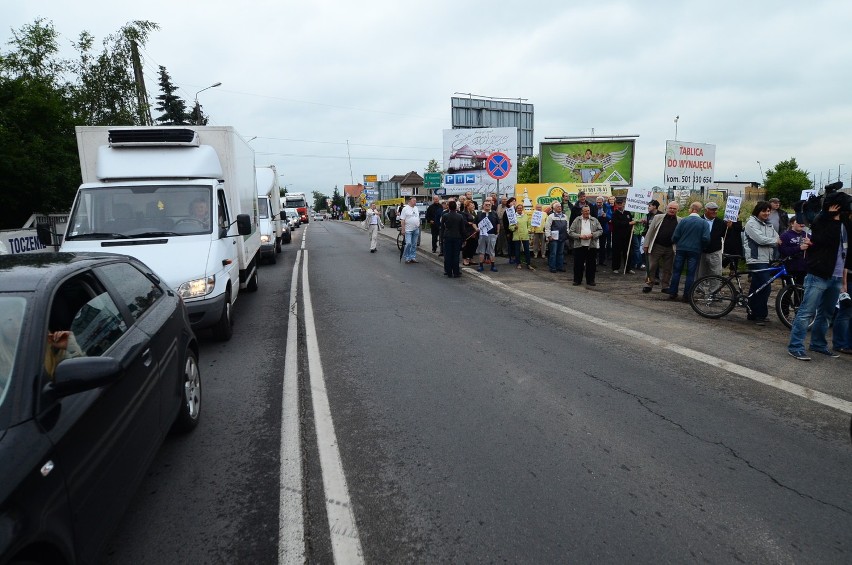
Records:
x=410, y=219
x=827, y=258
x=690, y=236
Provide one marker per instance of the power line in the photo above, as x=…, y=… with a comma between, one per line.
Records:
x=344, y=143
x=418, y=159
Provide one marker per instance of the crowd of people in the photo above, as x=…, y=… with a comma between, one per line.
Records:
x=662, y=244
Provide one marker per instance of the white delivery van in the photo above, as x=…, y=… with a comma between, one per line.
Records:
x=269, y=208
x=183, y=200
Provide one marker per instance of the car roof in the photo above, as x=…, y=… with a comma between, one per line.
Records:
x=26, y=271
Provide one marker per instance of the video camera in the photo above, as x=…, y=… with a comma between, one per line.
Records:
x=807, y=210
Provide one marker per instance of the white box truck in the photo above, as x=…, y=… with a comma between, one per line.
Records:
x=269, y=207
x=183, y=200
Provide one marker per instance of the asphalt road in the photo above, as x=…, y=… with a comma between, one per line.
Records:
x=476, y=425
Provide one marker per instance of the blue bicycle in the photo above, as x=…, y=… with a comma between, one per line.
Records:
x=716, y=296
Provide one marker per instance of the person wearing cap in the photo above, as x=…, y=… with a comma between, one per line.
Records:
x=778, y=217
x=658, y=247
x=711, y=255
x=827, y=259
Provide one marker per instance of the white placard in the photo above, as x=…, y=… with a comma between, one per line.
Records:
x=732, y=208
x=537, y=216
x=637, y=200
x=485, y=226
x=807, y=194
x=554, y=235
x=513, y=218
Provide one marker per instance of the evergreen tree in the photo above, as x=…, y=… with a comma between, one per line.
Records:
x=433, y=167
x=197, y=116
x=171, y=105
x=337, y=199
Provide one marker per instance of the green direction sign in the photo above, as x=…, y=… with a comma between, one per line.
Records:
x=432, y=180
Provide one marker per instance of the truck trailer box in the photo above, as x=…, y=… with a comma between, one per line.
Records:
x=183, y=200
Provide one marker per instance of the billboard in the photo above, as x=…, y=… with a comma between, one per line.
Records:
x=486, y=112
x=465, y=154
x=689, y=165
x=590, y=161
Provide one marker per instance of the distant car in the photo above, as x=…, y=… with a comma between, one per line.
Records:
x=318, y=217
x=355, y=214
x=98, y=362
x=293, y=216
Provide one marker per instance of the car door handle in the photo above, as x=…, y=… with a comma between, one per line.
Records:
x=146, y=357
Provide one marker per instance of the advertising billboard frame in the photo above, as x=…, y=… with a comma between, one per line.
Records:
x=600, y=160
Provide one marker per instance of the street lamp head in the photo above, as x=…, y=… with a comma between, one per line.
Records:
x=677, y=118
x=215, y=85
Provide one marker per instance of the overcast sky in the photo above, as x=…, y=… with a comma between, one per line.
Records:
x=763, y=81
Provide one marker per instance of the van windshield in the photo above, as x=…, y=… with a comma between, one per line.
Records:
x=296, y=202
x=123, y=212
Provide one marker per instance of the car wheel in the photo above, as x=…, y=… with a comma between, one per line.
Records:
x=272, y=258
x=224, y=328
x=252, y=284
x=190, y=406
x=288, y=238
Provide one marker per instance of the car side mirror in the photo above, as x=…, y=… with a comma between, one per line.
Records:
x=45, y=237
x=81, y=374
x=244, y=224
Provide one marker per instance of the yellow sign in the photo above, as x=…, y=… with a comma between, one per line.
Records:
x=547, y=193
x=390, y=202
x=371, y=178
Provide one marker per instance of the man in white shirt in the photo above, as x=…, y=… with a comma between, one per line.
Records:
x=373, y=223
x=410, y=220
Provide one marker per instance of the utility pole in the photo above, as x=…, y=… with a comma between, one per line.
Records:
x=143, y=108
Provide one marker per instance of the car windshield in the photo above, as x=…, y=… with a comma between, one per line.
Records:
x=141, y=211
x=12, y=310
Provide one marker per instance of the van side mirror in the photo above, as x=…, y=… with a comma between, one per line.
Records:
x=244, y=224
x=45, y=237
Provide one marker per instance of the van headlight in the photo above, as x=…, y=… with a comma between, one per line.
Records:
x=264, y=239
x=197, y=287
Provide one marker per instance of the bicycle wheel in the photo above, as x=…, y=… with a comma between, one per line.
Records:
x=400, y=240
x=787, y=304
x=712, y=296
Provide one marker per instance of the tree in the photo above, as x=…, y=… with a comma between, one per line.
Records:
x=786, y=182
x=171, y=105
x=337, y=199
x=319, y=201
x=39, y=164
x=106, y=92
x=528, y=170
x=433, y=167
x=197, y=116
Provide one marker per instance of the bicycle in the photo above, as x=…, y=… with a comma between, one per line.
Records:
x=400, y=238
x=715, y=296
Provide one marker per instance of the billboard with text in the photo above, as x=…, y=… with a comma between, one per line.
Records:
x=689, y=165
x=465, y=154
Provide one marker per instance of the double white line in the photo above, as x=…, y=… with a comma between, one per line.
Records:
x=345, y=541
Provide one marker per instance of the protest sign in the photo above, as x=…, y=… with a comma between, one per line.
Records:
x=732, y=208
x=637, y=200
x=513, y=218
x=536, y=219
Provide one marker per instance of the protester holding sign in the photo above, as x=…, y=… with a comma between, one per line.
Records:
x=508, y=212
x=556, y=229
x=537, y=232
x=521, y=235
x=489, y=227
x=622, y=230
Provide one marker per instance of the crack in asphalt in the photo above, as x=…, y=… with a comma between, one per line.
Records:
x=645, y=401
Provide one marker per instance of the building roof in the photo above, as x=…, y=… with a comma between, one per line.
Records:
x=353, y=190
x=408, y=179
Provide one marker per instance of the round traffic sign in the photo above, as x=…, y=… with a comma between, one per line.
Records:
x=498, y=165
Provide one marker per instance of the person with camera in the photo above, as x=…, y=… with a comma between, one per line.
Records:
x=827, y=259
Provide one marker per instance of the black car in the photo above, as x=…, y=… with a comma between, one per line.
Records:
x=98, y=363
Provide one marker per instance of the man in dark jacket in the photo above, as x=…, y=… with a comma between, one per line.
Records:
x=827, y=257
x=711, y=255
x=433, y=218
x=622, y=230
x=577, y=207
x=452, y=233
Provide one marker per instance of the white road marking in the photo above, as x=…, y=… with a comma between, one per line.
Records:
x=345, y=541
x=304, y=236
x=757, y=376
x=291, y=510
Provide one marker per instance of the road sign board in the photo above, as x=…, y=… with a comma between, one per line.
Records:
x=498, y=165
x=432, y=180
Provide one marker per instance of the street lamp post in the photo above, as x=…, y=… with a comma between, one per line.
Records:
x=675, y=120
x=762, y=179
x=197, y=109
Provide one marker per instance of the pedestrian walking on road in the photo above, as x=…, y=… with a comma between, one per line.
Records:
x=452, y=233
x=373, y=223
x=410, y=220
x=433, y=220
